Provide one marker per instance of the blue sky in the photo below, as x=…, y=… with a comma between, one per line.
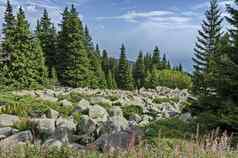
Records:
x=139, y=24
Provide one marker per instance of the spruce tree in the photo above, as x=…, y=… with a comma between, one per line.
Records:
x=27, y=68
x=139, y=71
x=89, y=41
x=97, y=78
x=180, y=68
x=8, y=31
x=151, y=79
x=46, y=33
x=228, y=70
x=72, y=53
x=98, y=52
x=110, y=79
x=164, y=62
x=113, y=65
x=156, y=60
x=206, y=47
x=124, y=80
x=105, y=62
x=148, y=64
x=168, y=64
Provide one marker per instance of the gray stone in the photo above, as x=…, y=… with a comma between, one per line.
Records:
x=66, y=103
x=25, y=93
x=64, y=129
x=8, y=120
x=47, y=97
x=53, y=143
x=185, y=117
x=116, y=111
x=52, y=114
x=87, y=125
x=135, y=118
x=2, y=137
x=98, y=113
x=116, y=124
x=82, y=106
x=66, y=124
x=7, y=131
x=45, y=126
x=76, y=146
x=18, y=138
x=100, y=100
x=123, y=140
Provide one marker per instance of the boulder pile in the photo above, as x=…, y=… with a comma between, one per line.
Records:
x=108, y=119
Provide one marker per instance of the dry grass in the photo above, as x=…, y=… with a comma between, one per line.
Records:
x=210, y=146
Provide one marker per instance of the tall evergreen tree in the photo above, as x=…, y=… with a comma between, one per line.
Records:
x=113, y=64
x=73, y=57
x=230, y=58
x=8, y=34
x=46, y=33
x=108, y=71
x=97, y=78
x=105, y=62
x=156, y=60
x=98, y=52
x=124, y=78
x=165, y=62
x=27, y=67
x=180, y=68
x=139, y=71
x=206, y=47
x=89, y=41
x=168, y=64
x=148, y=62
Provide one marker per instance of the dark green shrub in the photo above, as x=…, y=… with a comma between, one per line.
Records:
x=132, y=109
x=159, y=100
x=169, y=128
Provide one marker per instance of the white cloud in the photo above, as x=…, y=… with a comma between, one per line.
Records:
x=132, y=16
x=173, y=19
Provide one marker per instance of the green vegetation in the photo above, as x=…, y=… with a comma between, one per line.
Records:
x=124, y=78
x=170, y=128
x=215, y=75
x=46, y=33
x=23, y=125
x=132, y=109
x=169, y=78
x=139, y=71
x=159, y=100
x=27, y=106
x=169, y=148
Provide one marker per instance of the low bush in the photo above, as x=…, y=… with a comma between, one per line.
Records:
x=159, y=100
x=23, y=125
x=25, y=106
x=131, y=109
x=169, y=128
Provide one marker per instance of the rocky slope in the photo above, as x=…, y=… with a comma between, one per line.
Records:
x=100, y=119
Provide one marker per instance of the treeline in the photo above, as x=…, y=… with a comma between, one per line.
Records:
x=215, y=77
x=69, y=57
